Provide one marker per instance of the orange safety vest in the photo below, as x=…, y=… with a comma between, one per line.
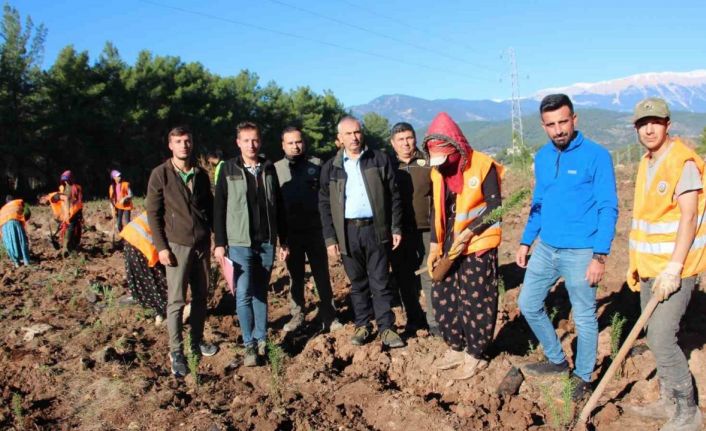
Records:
x=656, y=218
x=139, y=235
x=57, y=204
x=470, y=204
x=13, y=210
x=124, y=191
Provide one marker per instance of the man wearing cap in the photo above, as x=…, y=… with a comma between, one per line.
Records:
x=298, y=176
x=120, y=196
x=361, y=216
x=414, y=182
x=667, y=243
x=572, y=217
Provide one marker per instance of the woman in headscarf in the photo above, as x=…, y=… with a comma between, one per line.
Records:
x=13, y=216
x=120, y=197
x=466, y=185
x=145, y=275
x=67, y=206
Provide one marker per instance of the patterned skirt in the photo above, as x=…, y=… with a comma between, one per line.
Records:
x=147, y=285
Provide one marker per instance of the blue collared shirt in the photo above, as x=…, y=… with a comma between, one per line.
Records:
x=357, y=203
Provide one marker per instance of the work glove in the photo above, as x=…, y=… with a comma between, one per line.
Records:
x=460, y=243
x=432, y=258
x=668, y=281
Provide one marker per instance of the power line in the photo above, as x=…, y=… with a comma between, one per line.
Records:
x=378, y=34
x=309, y=39
x=423, y=31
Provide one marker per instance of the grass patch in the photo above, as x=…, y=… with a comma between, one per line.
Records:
x=561, y=411
x=277, y=359
x=193, y=360
x=617, y=324
x=17, y=410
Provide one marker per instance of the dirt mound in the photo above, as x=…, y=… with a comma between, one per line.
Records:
x=77, y=355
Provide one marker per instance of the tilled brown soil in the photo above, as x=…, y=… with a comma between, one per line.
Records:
x=74, y=357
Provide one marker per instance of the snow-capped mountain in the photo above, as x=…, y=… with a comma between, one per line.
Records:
x=684, y=91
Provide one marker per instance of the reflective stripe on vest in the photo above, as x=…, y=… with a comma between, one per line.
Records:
x=138, y=234
x=13, y=210
x=656, y=215
x=470, y=204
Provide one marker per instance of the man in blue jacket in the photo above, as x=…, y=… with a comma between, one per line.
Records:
x=573, y=215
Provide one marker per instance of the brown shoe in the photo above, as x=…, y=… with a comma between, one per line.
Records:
x=451, y=359
x=470, y=367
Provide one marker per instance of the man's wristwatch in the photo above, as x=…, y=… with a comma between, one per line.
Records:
x=599, y=257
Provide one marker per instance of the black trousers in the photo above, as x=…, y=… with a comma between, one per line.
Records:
x=406, y=259
x=367, y=268
x=303, y=245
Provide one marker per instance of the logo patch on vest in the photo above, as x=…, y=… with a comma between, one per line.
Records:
x=421, y=162
x=662, y=187
x=311, y=171
x=473, y=182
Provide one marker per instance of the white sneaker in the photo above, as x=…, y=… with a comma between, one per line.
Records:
x=158, y=320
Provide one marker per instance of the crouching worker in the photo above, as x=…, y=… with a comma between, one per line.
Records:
x=145, y=275
x=13, y=216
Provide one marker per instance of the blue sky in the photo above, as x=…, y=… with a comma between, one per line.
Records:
x=361, y=49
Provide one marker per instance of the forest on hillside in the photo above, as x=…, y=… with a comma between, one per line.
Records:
x=94, y=116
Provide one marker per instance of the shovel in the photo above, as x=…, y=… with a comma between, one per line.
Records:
x=627, y=345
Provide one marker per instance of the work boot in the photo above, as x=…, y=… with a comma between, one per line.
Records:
x=662, y=408
x=250, y=358
x=391, y=339
x=204, y=349
x=451, y=359
x=331, y=325
x=294, y=323
x=178, y=363
x=262, y=349
x=362, y=333
x=687, y=416
x=469, y=368
x=545, y=368
x=581, y=388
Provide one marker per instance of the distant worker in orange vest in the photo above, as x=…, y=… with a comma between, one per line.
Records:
x=121, y=199
x=146, y=277
x=13, y=216
x=465, y=184
x=667, y=243
x=67, y=206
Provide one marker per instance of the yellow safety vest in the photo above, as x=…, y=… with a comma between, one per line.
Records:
x=656, y=218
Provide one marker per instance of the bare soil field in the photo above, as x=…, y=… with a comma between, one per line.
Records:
x=75, y=356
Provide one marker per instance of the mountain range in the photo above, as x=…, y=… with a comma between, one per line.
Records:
x=603, y=107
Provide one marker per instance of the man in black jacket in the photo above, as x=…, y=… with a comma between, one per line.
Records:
x=248, y=220
x=414, y=182
x=361, y=215
x=298, y=176
x=179, y=207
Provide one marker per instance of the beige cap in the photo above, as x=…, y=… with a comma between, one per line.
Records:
x=651, y=107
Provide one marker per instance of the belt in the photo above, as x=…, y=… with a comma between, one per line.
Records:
x=360, y=222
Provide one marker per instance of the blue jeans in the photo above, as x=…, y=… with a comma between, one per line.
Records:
x=251, y=277
x=545, y=267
